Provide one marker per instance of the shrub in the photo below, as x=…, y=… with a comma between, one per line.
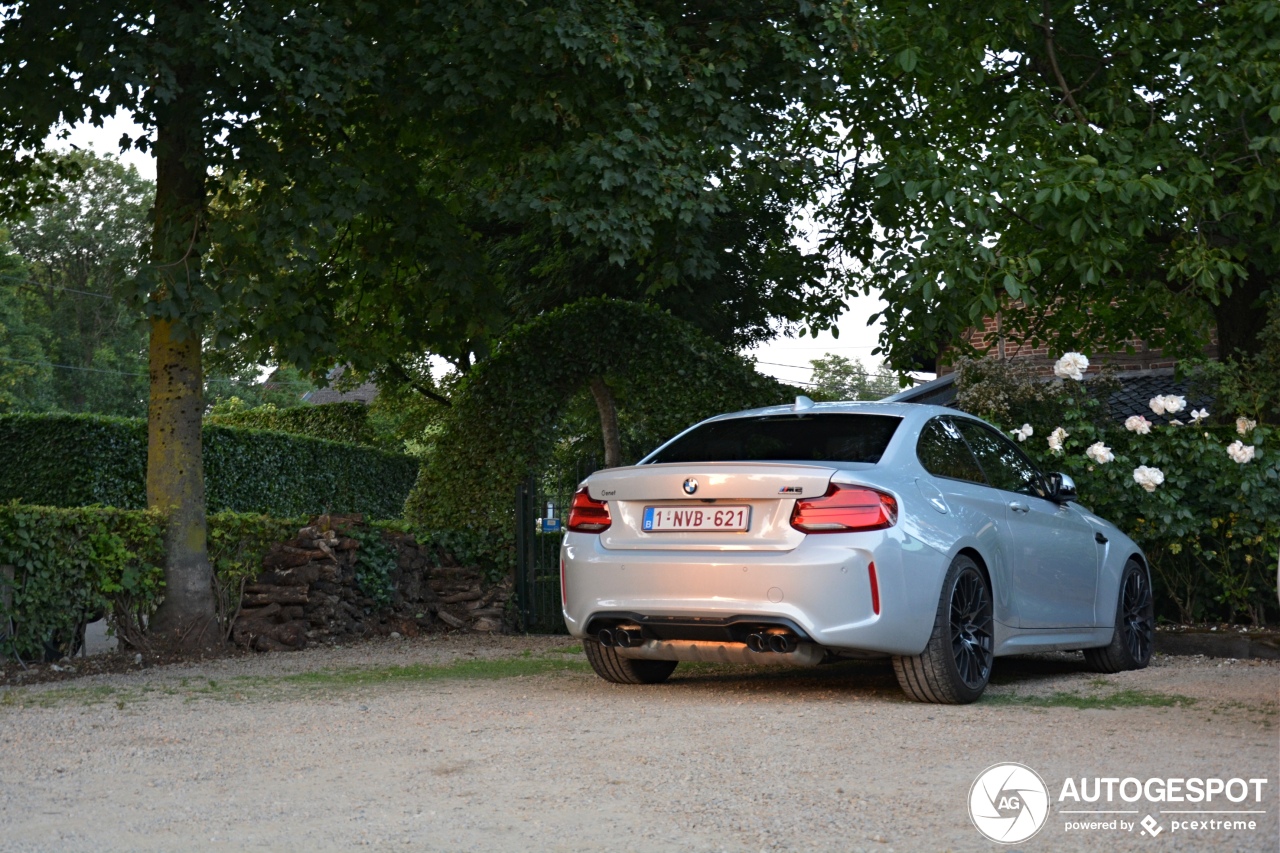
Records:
x=77, y=564
x=72, y=565
x=509, y=413
x=79, y=460
x=1210, y=528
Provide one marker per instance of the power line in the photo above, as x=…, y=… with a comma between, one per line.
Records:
x=796, y=366
x=56, y=287
x=127, y=373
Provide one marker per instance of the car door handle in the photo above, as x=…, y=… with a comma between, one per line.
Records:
x=1099, y=538
x=1019, y=507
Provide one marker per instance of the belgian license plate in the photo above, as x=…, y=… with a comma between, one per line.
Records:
x=667, y=519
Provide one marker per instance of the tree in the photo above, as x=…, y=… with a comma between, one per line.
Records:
x=331, y=152
x=25, y=377
x=80, y=250
x=1099, y=172
x=837, y=378
x=197, y=77
x=575, y=149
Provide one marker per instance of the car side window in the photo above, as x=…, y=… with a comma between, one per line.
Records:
x=1005, y=465
x=942, y=451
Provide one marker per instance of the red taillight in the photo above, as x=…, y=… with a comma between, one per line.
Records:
x=587, y=515
x=845, y=508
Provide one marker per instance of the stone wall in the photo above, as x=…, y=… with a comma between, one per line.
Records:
x=307, y=591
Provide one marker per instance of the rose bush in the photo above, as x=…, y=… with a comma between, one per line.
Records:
x=1202, y=499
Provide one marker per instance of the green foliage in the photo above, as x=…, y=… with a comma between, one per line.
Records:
x=375, y=561
x=25, y=379
x=1112, y=166
x=837, y=378
x=77, y=564
x=1211, y=530
x=76, y=460
x=236, y=545
x=74, y=564
x=231, y=386
x=78, y=251
x=506, y=420
x=572, y=149
x=341, y=422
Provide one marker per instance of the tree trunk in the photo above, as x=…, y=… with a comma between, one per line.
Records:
x=175, y=469
x=175, y=484
x=1241, y=316
x=608, y=422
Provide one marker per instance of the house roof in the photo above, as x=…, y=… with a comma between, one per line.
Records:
x=1137, y=388
x=364, y=393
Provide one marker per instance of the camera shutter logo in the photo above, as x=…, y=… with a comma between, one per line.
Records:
x=1008, y=803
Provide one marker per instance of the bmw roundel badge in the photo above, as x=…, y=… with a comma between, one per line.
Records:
x=690, y=486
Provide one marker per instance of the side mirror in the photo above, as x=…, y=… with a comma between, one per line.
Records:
x=1061, y=488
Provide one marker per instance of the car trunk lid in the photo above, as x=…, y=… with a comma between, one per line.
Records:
x=767, y=491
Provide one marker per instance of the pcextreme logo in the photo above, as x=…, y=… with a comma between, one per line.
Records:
x=1009, y=803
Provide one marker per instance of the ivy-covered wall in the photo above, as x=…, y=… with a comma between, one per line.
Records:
x=79, y=460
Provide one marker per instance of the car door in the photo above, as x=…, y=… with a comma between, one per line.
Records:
x=964, y=494
x=1054, y=556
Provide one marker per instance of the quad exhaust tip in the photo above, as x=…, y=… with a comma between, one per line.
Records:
x=622, y=636
x=775, y=640
x=763, y=641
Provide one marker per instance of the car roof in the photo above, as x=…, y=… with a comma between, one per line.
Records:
x=859, y=407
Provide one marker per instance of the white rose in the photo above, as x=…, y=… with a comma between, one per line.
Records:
x=1148, y=478
x=1243, y=425
x=1100, y=453
x=1157, y=405
x=1198, y=415
x=1056, y=438
x=1174, y=403
x=1023, y=433
x=1138, y=424
x=1071, y=366
x=1240, y=452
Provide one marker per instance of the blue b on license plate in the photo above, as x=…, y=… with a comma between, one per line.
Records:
x=668, y=519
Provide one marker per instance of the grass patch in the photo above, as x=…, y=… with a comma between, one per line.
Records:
x=551, y=662
x=469, y=669
x=1107, y=701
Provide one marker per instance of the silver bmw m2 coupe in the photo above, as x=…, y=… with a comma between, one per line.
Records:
x=814, y=532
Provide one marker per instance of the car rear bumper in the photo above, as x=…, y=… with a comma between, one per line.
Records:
x=821, y=590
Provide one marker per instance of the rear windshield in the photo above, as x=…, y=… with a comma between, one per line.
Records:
x=827, y=437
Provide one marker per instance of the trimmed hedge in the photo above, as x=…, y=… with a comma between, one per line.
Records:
x=80, y=460
x=343, y=422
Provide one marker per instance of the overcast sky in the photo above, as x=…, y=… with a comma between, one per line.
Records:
x=786, y=358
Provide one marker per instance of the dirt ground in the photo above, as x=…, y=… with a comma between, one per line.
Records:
x=520, y=747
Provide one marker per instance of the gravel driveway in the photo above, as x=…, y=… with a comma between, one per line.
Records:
x=297, y=751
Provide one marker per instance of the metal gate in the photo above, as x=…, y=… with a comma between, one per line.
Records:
x=542, y=505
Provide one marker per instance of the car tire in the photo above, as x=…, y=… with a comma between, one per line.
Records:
x=956, y=664
x=1132, y=639
x=612, y=666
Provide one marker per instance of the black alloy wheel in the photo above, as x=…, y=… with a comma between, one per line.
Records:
x=971, y=640
x=956, y=663
x=1134, y=634
x=1136, y=616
